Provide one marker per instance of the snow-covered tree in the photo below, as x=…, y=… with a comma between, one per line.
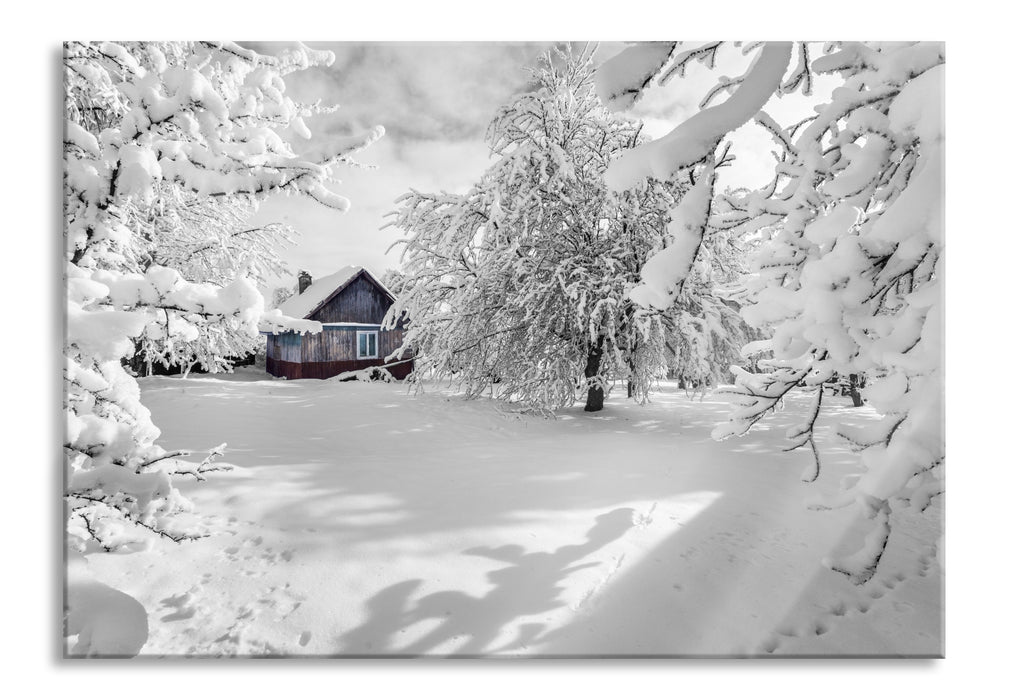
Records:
x=520, y=284
x=392, y=278
x=206, y=240
x=848, y=271
x=282, y=294
x=705, y=330
x=157, y=136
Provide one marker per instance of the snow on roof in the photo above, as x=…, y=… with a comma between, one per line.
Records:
x=302, y=305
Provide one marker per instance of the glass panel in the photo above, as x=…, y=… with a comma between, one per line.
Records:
x=373, y=344
x=362, y=344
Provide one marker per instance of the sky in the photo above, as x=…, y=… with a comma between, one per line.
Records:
x=435, y=100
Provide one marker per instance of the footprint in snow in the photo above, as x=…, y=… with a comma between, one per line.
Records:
x=282, y=600
x=902, y=607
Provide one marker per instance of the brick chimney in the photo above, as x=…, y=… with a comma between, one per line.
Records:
x=304, y=281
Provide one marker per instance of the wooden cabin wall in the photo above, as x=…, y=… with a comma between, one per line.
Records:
x=285, y=346
x=329, y=346
x=389, y=342
x=359, y=302
x=340, y=344
x=332, y=352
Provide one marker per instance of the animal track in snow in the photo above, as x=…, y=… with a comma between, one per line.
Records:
x=868, y=596
x=902, y=607
x=282, y=600
x=925, y=563
x=244, y=634
x=255, y=559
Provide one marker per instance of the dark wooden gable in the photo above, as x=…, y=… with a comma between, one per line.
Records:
x=360, y=300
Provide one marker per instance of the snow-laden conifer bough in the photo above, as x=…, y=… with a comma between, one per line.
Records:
x=848, y=268
x=167, y=148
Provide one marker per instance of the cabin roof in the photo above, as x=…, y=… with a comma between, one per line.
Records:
x=324, y=289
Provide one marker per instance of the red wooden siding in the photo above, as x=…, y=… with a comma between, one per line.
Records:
x=325, y=370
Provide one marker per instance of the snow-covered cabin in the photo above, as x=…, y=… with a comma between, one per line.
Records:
x=351, y=304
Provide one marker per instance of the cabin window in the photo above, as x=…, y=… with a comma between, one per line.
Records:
x=367, y=345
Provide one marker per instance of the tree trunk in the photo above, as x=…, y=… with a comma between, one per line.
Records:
x=594, y=401
x=137, y=363
x=630, y=388
x=856, y=395
x=681, y=383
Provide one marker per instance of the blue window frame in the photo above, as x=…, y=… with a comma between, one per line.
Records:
x=367, y=345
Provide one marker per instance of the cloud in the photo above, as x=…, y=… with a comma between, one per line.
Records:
x=439, y=91
x=417, y=91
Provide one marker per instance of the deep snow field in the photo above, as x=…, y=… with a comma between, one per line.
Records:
x=364, y=519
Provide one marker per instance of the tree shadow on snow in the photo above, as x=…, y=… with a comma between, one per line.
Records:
x=530, y=584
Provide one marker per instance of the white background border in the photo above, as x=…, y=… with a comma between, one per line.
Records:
x=30, y=171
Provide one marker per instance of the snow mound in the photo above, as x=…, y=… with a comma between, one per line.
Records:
x=105, y=622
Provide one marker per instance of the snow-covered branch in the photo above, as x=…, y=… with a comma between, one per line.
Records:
x=167, y=147
x=848, y=271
